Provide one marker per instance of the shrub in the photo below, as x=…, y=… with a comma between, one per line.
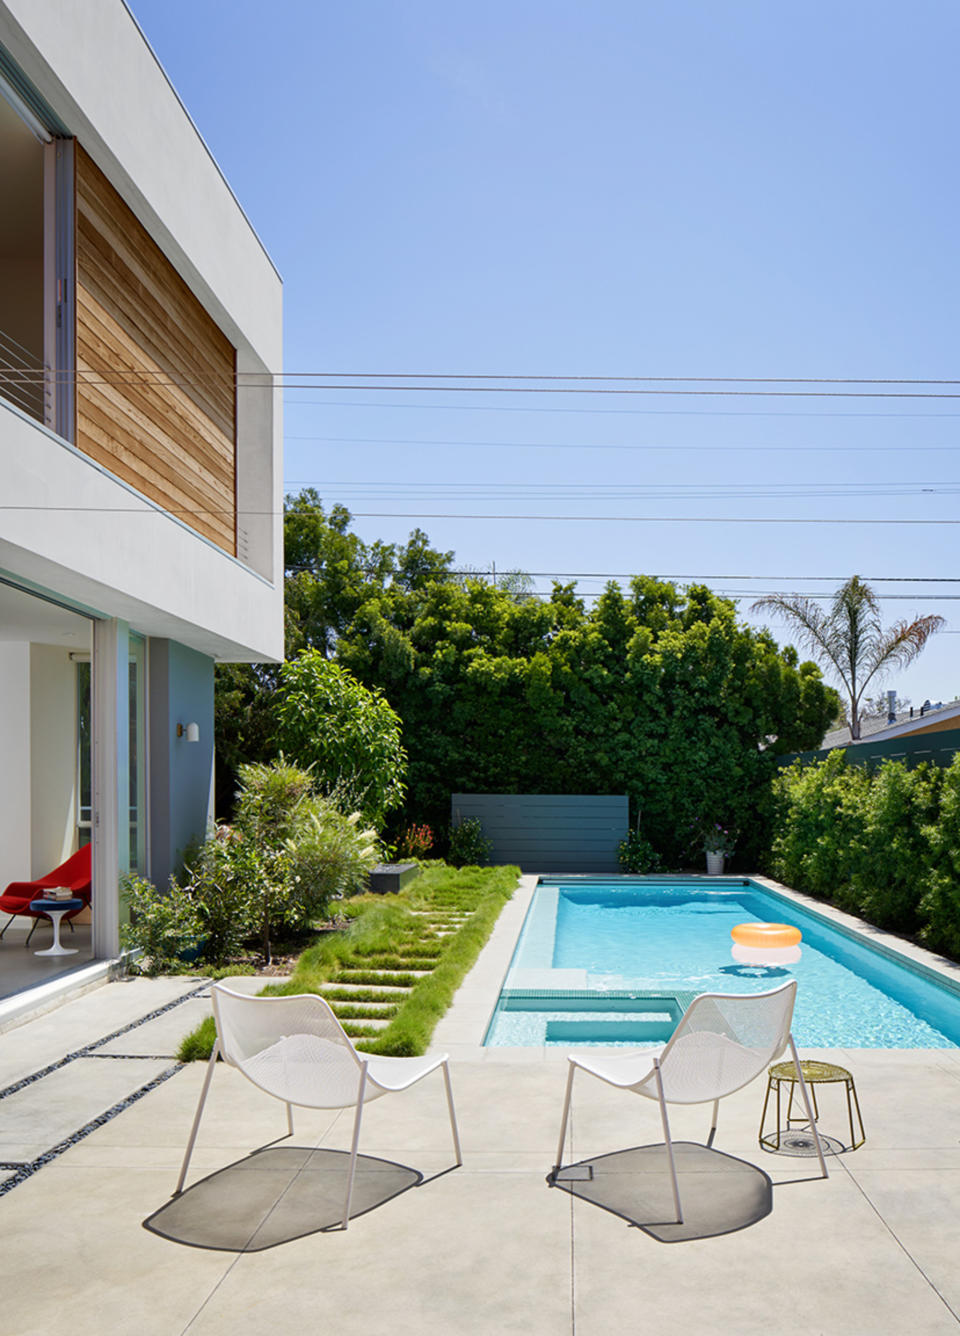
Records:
x=468, y=844
x=940, y=905
x=819, y=840
x=347, y=735
x=330, y=856
x=899, y=807
x=415, y=842
x=223, y=879
x=164, y=925
x=637, y=854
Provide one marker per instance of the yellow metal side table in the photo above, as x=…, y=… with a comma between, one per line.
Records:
x=814, y=1073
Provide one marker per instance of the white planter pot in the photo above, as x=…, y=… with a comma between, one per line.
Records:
x=714, y=863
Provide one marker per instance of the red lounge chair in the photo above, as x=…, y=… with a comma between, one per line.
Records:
x=75, y=873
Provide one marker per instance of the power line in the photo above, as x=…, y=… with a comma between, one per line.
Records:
x=607, y=389
x=148, y=508
x=198, y=375
x=645, y=491
x=696, y=579
x=638, y=519
x=560, y=445
x=660, y=380
x=632, y=412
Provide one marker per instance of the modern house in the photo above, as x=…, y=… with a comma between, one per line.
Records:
x=140, y=459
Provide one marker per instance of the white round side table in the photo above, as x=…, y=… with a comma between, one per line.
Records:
x=55, y=910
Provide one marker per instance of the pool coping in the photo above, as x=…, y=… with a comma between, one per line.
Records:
x=462, y=1029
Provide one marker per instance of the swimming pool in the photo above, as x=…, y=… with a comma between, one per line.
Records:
x=616, y=961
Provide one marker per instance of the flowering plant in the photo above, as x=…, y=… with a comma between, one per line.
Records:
x=415, y=842
x=718, y=838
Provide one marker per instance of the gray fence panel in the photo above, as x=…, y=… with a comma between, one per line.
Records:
x=548, y=832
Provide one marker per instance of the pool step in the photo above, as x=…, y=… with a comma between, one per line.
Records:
x=652, y=1028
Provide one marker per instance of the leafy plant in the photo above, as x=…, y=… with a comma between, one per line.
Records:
x=715, y=837
x=940, y=904
x=164, y=925
x=657, y=690
x=415, y=842
x=637, y=854
x=347, y=735
x=330, y=856
x=468, y=844
x=223, y=879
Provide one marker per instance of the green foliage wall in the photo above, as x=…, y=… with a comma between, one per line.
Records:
x=883, y=845
x=658, y=692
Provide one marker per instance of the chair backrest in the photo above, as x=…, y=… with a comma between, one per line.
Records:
x=292, y=1047
x=76, y=872
x=724, y=1041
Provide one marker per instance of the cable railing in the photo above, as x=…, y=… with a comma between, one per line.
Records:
x=22, y=379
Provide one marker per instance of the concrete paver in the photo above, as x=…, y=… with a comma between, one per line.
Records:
x=489, y=1247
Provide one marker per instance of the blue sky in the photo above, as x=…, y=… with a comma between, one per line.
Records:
x=618, y=189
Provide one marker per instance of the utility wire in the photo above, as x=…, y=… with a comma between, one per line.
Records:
x=638, y=519
x=560, y=445
x=154, y=508
x=284, y=381
x=148, y=508
x=593, y=412
x=696, y=579
x=198, y=375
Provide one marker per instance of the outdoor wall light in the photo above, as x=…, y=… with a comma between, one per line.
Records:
x=190, y=731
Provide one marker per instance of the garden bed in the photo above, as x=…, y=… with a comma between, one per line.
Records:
x=391, y=974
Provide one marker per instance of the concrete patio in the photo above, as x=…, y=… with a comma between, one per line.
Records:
x=488, y=1248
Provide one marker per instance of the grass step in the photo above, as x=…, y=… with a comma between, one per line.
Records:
x=373, y=977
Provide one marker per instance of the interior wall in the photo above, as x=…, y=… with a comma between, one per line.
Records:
x=21, y=283
x=53, y=757
x=15, y=853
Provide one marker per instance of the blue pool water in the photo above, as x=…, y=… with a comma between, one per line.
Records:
x=606, y=962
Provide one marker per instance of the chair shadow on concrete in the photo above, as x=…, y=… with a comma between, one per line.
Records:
x=275, y=1195
x=721, y=1194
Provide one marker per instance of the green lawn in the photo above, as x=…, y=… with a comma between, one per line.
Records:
x=400, y=960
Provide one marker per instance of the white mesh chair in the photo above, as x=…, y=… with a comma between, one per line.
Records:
x=295, y=1049
x=723, y=1041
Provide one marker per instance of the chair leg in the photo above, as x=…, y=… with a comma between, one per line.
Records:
x=6, y=926
x=809, y=1108
x=669, y=1144
x=453, y=1116
x=196, y=1118
x=32, y=931
x=713, y=1123
x=354, y=1145
x=563, y=1120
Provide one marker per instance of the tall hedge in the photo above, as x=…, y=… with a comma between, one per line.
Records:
x=884, y=845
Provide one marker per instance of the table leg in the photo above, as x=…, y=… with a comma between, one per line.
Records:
x=55, y=915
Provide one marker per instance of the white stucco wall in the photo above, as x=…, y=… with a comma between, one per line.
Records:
x=15, y=767
x=102, y=546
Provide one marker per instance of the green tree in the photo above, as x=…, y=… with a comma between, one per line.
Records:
x=656, y=691
x=850, y=638
x=346, y=735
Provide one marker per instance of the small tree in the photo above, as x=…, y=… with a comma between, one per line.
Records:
x=347, y=736
x=850, y=639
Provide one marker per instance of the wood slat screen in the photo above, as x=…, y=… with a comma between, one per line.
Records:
x=549, y=832
x=171, y=430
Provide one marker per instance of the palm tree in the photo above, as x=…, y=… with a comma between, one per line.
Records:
x=849, y=638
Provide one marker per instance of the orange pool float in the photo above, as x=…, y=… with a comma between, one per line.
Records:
x=766, y=935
